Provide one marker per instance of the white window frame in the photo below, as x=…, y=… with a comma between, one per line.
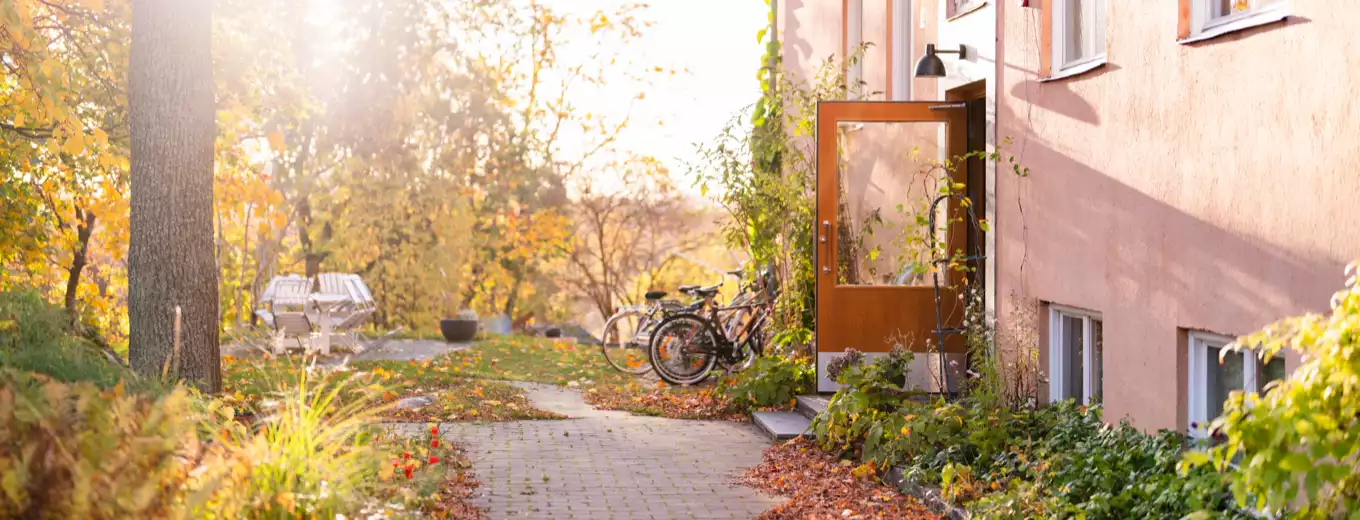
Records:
x=1197, y=372
x=903, y=38
x=854, y=36
x=1057, y=361
x=1204, y=25
x=1062, y=66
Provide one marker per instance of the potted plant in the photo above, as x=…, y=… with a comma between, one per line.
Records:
x=462, y=327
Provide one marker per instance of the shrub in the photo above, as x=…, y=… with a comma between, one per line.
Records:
x=1058, y=461
x=36, y=337
x=1301, y=438
x=313, y=457
x=770, y=381
x=76, y=451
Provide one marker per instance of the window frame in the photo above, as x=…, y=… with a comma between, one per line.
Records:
x=1197, y=377
x=854, y=37
x=1057, y=361
x=1202, y=25
x=1060, y=66
x=903, y=41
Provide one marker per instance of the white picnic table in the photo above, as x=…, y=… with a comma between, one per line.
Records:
x=325, y=304
x=311, y=318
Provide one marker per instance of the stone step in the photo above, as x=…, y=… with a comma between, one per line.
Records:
x=781, y=425
x=812, y=404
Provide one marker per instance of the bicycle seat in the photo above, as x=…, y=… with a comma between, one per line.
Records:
x=688, y=288
x=707, y=291
x=655, y=295
x=736, y=272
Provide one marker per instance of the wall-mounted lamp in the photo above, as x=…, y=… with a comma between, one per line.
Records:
x=930, y=65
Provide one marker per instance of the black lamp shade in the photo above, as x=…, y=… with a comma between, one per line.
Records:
x=930, y=65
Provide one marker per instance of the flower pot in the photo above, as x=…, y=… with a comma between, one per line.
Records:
x=456, y=331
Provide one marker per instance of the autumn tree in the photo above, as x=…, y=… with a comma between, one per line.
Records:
x=626, y=234
x=63, y=139
x=172, y=273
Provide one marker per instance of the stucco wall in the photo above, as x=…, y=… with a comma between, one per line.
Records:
x=1213, y=186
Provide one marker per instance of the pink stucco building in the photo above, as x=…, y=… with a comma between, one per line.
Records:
x=1195, y=172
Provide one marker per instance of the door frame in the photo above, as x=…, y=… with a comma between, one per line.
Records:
x=917, y=303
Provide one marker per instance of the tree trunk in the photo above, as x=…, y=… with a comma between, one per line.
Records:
x=79, y=258
x=170, y=253
x=513, y=299
x=241, y=291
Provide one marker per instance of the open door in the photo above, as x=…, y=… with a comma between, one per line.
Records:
x=879, y=167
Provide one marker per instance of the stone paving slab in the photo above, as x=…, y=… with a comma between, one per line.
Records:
x=610, y=465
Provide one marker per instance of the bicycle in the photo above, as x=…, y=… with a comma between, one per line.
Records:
x=627, y=333
x=688, y=345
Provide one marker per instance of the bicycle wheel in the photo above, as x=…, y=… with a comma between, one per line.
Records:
x=682, y=349
x=620, y=343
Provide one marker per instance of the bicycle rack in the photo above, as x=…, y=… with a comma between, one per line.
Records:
x=976, y=258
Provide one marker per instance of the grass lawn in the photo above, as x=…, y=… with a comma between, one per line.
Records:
x=561, y=363
x=468, y=385
x=253, y=383
x=520, y=358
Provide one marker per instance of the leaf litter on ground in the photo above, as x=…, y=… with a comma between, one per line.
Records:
x=820, y=486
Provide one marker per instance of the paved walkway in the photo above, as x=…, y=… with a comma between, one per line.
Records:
x=610, y=465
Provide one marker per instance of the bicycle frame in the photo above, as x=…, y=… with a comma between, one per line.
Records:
x=654, y=312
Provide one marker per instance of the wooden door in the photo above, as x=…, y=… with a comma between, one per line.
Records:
x=879, y=166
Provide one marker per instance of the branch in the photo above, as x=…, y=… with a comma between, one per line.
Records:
x=34, y=133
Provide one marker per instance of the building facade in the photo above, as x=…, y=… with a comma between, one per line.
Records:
x=1193, y=173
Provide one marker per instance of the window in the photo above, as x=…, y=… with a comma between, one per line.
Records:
x=1215, y=373
x=1076, y=355
x=1210, y=18
x=1078, y=36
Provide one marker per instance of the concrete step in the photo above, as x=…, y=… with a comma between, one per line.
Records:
x=812, y=404
x=781, y=425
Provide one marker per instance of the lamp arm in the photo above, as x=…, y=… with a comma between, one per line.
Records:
x=962, y=52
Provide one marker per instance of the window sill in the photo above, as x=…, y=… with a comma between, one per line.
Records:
x=1075, y=70
x=1264, y=17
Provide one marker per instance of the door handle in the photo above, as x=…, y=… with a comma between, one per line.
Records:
x=821, y=243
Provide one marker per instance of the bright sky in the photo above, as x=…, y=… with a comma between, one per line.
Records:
x=715, y=40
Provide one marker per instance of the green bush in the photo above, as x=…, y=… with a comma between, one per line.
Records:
x=1059, y=461
x=313, y=456
x=36, y=337
x=1301, y=440
x=770, y=381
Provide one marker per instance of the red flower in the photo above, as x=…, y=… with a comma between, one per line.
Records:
x=409, y=471
x=434, y=459
x=434, y=443
x=434, y=430
x=406, y=455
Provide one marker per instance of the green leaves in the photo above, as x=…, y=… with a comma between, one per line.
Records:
x=1197, y=458
x=1300, y=434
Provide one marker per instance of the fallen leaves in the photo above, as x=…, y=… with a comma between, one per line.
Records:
x=819, y=486
x=666, y=401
